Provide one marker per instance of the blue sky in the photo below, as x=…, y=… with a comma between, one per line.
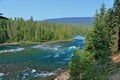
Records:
x=47, y=9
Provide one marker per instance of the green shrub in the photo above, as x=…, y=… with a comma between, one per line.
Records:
x=82, y=66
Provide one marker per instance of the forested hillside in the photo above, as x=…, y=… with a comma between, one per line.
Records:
x=73, y=20
x=19, y=30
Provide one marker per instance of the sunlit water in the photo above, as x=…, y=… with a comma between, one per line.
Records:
x=22, y=62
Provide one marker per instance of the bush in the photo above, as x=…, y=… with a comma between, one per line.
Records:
x=82, y=66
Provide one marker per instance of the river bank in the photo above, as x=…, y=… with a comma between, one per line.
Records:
x=30, y=42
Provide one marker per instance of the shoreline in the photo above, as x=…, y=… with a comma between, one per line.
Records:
x=30, y=43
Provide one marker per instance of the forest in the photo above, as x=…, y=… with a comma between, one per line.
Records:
x=94, y=61
x=20, y=30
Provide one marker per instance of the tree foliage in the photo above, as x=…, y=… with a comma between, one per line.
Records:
x=19, y=30
x=82, y=66
x=98, y=41
x=116, y=19
x=101, y=41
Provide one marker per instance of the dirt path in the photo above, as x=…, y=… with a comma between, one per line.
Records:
x=116, y=58
x=116, y=75
x=63, y=76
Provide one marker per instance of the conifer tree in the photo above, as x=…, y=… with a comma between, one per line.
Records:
x=116, y=19
x=98, y=41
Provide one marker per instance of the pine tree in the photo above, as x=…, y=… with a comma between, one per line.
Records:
x=116, y=19
x=98, y=41
x=82, y=66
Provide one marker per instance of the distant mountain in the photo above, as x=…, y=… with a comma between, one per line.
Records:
x=73, y=20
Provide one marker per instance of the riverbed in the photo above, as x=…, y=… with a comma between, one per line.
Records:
x=28, y=62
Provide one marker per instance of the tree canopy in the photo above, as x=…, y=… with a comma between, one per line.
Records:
x=19, y=30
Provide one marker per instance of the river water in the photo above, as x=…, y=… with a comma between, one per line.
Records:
x=28, y=62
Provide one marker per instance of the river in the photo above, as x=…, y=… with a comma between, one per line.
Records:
x=28, y=62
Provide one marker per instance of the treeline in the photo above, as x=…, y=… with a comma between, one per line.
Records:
x=93, y=62
x=18, y=30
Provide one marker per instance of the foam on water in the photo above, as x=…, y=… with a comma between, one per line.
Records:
x=47, y=47
x=2, y=74
x=44, y=74
x=11, y=50
x=72, y=48
x=33, y=73
x=79, y=37
x=66, y=51
x=60, y=52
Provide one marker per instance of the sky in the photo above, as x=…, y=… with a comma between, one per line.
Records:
x=48, y=9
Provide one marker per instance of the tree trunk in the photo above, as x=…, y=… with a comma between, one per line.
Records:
x=119, y=39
